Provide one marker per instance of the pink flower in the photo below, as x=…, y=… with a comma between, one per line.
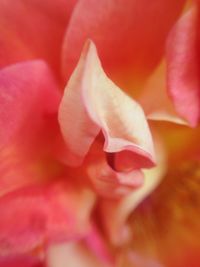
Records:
x=74, y=165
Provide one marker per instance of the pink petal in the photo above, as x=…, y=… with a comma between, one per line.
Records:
x=53, y=213
x=26, y=88
x=129, y=37
x=140, y=260
x=29, y=100
x=93, y=103
x=155, y=101
x=183, y=67
x=96, y=244
x=20, y=261
x=74, y=255
x=106, y=180
x=33, y=29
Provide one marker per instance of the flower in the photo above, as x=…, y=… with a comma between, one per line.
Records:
x=80, y=168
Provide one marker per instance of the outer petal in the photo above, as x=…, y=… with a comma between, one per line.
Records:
x=183, y=67
x=53, y=213
x=33, y=29
x=129, y=36
x=20, y=261
x=92, y=103
x=29, y=101
x=24, y=88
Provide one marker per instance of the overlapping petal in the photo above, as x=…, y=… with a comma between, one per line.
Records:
x=33, y=29
x=117, y=229
x=155, y=100
x=130, y=38
x=183, y=67
x=29, y=100
x=36, y=216
x=93, y=103
x=106, y=179
x=27, y=89
x=21, y=261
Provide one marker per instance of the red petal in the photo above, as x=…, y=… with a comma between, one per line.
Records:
x=129, y=36
x=33, y=29
x=29, y=101
x=20, y=261
x=26, y=88
x=58, y=212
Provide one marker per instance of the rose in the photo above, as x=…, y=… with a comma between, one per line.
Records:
x=26, y=138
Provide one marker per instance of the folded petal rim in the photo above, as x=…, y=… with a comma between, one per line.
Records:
x=87, y=75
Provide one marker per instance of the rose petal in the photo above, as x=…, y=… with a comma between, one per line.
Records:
x=20, y=261
x=29, y=100
x=92, y=103
x=33, y=29
x=53, y=213
x=183, y=67
x=26, y=88
x=129, y=37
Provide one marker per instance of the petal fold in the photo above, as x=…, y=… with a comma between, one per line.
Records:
x=117, y=229
x=91, y=104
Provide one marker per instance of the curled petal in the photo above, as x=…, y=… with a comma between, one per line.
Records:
x=183, y=67
x=91, y=104
x=117, y=228
x=106, y=180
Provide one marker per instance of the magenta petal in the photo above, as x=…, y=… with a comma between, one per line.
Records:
x=183, y=67
x=93, y=103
